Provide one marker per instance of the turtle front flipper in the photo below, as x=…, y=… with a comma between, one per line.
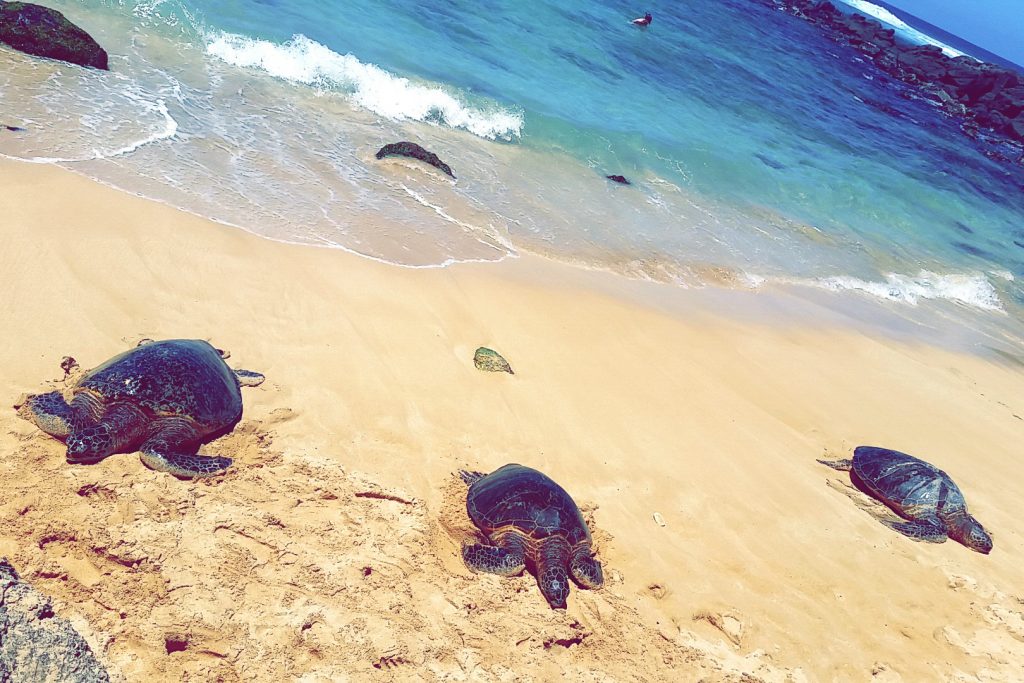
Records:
x=50, y=412
x=505, y=559
x=119, y=429
x=930, y=530
x=169, y=452
x=585, y=569
x=248, y=378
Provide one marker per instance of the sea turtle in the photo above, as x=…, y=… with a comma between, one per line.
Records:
x=163, y=398
x=532, y=522
x=918, y=492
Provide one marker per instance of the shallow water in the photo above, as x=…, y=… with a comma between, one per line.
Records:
x=760, y=152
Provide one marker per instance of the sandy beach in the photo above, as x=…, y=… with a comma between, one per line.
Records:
x=330, y=550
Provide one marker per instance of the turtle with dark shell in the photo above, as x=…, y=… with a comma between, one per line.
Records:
x=162, y=398
x=530, y=522
x=923, y=495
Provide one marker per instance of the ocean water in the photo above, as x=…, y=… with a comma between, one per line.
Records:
x=760, y=153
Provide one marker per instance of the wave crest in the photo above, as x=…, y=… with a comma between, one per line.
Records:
x=302, y=60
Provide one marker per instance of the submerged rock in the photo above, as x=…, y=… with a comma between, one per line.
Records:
x=490, y=360
x=36, y=645
x=45, y=32
x=620, y=179
x=411, y=149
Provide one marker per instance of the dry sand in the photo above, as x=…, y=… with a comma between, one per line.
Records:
x=330, y=550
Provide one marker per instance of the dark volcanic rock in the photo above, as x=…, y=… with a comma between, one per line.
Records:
x=986, y=95
x=35, y=645
x=411, y=149
x=44, y=32
x=620, y=179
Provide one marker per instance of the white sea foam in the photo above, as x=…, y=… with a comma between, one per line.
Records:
x=169, y=130
x=972, y=290
x=301, y=60
x=902, y=27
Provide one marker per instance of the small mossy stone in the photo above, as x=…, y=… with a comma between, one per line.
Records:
x=490, y=360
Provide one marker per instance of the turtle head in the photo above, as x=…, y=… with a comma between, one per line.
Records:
x=90, y=444
x=586, y=570
x=554, y=585
x=971, y=533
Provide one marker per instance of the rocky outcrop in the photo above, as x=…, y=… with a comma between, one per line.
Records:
x=490, y=360
x=986, y=95
x=44, y=32
x=35, y=645
x=411, y=149
x=620, y=179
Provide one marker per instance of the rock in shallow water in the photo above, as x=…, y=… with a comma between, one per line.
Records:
x=36, y=645
x=411, y=149
x=490, y=360
x=45, y=32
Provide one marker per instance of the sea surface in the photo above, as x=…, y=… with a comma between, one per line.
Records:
x=760, y=153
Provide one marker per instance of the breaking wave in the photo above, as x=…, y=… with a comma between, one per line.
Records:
x=302, y=60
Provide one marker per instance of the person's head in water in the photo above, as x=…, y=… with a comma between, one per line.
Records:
x=643, y=21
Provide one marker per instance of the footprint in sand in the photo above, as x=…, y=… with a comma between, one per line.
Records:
x=729, y=623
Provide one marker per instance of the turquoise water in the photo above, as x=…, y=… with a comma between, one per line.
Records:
x=760, y=152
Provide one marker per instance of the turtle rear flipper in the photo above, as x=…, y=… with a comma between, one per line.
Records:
x=492, y=559
x=470, y=477
x=841, y=465
x=168, y=453
x=248, y=378
x=928, y=530
x=50, y=412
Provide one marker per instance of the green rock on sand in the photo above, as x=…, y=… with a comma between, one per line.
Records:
x=490, y=360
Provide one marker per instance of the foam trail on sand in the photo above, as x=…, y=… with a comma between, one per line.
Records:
x=971, y=290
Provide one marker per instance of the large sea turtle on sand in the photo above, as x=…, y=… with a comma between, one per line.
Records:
x=532, y=522
x=918, y=492
x=162, y=398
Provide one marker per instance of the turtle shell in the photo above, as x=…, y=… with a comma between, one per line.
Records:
x=527, y=500
x=908, y=485
x=172, y=378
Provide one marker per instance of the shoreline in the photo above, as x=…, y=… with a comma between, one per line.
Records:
x=850, y=306
x=672, y=407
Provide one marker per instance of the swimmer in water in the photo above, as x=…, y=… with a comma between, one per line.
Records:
x=645, y=20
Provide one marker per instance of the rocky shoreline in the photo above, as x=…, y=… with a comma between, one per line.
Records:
x=988, y=99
